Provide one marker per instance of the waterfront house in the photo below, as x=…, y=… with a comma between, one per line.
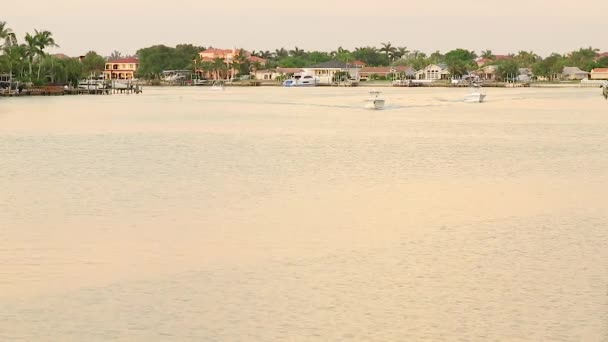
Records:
x=402, y=71
x=272, y=74
x=326, y=71
x=121, y=69
x=487, y=73
x=433, y=72
x=574, y=73
x=228, y=56
x=599, y=74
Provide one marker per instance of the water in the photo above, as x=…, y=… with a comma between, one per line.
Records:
x=271, y=214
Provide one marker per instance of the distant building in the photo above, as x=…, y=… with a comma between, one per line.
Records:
x=599, y=74
x=228, y=56
x=487, y=73
x=483, y=61
x=325, y=72
x=433, y=72
x=121, y=69
x=365, y=73
x=272, y=74
x=574, y=73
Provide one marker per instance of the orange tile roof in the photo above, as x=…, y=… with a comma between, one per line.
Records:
x=131, y=60
x=256, y=59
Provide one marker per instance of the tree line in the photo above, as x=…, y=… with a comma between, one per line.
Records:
x=29, y=61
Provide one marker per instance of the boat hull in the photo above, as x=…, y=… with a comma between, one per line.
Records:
x=297, y=83
x=374, y=104
x=474, y=98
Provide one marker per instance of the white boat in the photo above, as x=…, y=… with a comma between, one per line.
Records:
x=199, y=82
x=92, y=83
x=475, y=96
x=301, y=81
x=217, y=85
x=374, y=102
x=605, y=90
x=120, y=84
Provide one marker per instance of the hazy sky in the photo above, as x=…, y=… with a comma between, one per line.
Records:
x=502, y=26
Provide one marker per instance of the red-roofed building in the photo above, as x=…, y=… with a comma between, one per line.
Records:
x=358, y=64
x=502, y=57
x=365, y=73
x=599, y=74
x=483, y=61
x=229, y=56
x=601, y=55
x=121, y=69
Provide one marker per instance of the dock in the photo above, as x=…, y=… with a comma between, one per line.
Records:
x=60, y=91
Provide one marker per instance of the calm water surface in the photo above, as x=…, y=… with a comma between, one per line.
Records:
x=271, y=214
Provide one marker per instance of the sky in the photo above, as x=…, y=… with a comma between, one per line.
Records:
x=501, y=26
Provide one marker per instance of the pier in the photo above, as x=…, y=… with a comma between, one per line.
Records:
x=60, y=91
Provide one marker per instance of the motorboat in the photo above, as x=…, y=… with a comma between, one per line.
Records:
x=476, y=95
x=92, y=83
x=217, y=85
x=374, y=102
x=301, y=81
x=200, y=82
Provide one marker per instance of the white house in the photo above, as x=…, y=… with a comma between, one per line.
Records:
x=433, y=72
x=325, y=72
x=272, y=74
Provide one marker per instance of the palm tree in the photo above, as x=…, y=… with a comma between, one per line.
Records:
x=32, y=50
x=205, y=68
x=401, y=52
x=14, y=55
x=389, y=50
x=43, y=39
x=7, y=34
x=487, y=54
x=115, y=55
x=218, y=66
x=281, y=53
x=296, y=52
x=255, y=66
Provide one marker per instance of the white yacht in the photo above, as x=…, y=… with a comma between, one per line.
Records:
x=374, y=102
x=301, y=81
x=476, y=95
